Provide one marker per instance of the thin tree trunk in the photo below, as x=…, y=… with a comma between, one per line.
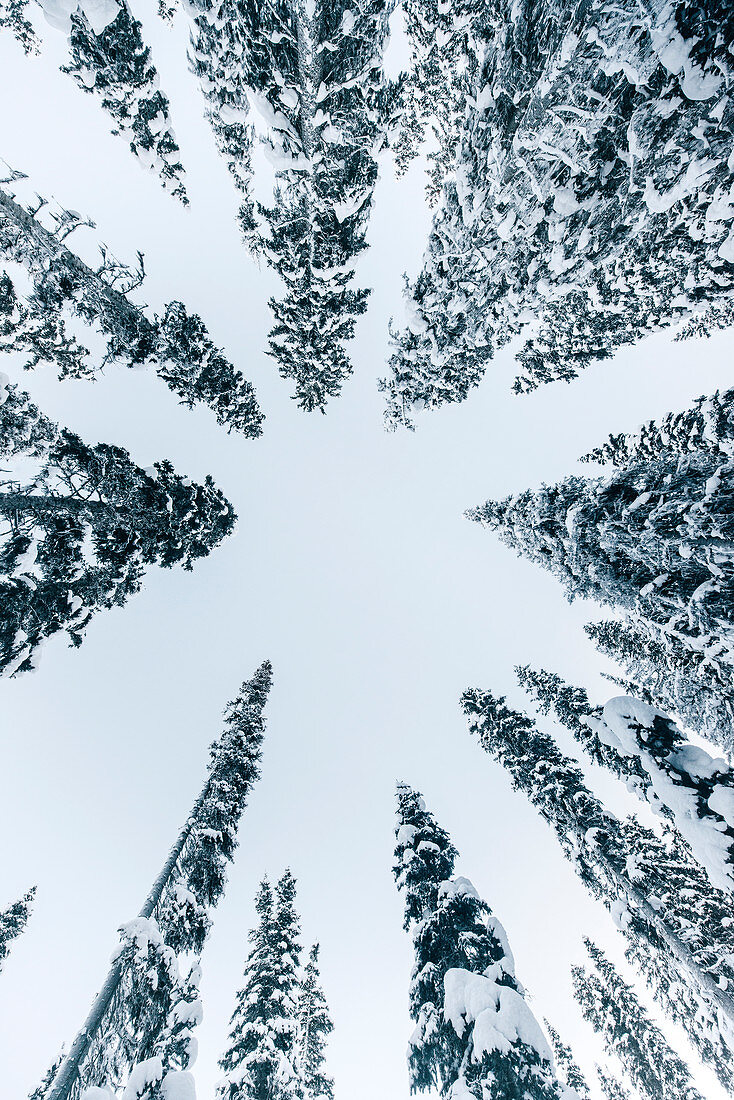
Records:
x=68, y=1073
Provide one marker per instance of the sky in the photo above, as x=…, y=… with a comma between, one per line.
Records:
x=352, y=568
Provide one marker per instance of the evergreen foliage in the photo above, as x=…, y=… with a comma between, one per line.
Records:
x=13, y=18
x=657, y=893
x=585, y=198
x=652, y=539
x=446, y=53
x=114, y=63
x=567, y=1065
x=13, y=921
x=610, y=1086
x=664, y=671
x=314, y=74
x=79, y=534
x=612, y=1008
x=178, y=342
x=261, y=1061
x=475, y=1033
x=314, y=1027
x=140, y=1031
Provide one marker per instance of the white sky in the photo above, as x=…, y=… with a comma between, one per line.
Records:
x=352, y=568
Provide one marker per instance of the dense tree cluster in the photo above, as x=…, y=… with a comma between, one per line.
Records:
x=586, y=197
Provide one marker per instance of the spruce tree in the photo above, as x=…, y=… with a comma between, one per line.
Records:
x=314, y=1027
x=446, y=52
x=657, y=893
x=610, y=1086
x=313, y=72
x=474, y=1033
x=585, y=201
x=178, y=342
x=78, y=535
x=139, y=1032
x=109, y=59
x=666, y=672
x=643, y=746
x=13, y=921
x=13, y=18
x=613, y=1010
x=652, y=539
x=568, y=1068
x=260, y=1062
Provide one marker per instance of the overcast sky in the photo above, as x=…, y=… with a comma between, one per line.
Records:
x=352, y=568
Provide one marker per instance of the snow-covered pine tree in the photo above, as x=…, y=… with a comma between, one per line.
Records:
x=139, y=1031
x=652, y=539
x=657, y=893
x=109, y=59
x=610, y=1086
x=13, y=17
x=78, y=535
x=37, y=331
x=666, y=672
x=710, y=320
x=218, y=57
x=260, y=1062
x=708, y=425
x=474, y=1033
x=314, y=1027
x=614, y=1011
x=643, y=746
x=446, y=52
x=314, y=74
x=178, y=342
x=568, y=1069
x=13, y=921
x=586, y=228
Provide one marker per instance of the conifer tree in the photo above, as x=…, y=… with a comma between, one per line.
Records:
x=314, y=1027
x=13, y=921
x=139, y=1032
x=610, y=1086
x=314, y=74
x=474, y=1033
x=653, y=539
x=657, y=893
x=564, y=211
x=13, y=17
x=447, y=49
x=261, y=1060
x=109, y=59
x=666, y=672
x=36, y=329
x=567, y=1065
x=613, y=1009
x=79, y=534
x=644, y=746
x=178, y=342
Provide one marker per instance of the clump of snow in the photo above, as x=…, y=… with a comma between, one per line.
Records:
x=99, y=13
x=142, y=1076
x=500, y=1015
x=178, y=1085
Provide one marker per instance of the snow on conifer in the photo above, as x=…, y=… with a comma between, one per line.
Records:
x=13, y=17
x=178, y=342
x=138, y=1040
x=13, y=920
x=587, y=204
x=568, y=1069
x=653, y=539
x=644, y=746
x=676, y=924
x=475, y=1032
x=314, y=1028
x=610, y=1086
x=261, y=1059
x=109, y=59
x=77, y=536
x=614, y=1011
x=309, y=79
